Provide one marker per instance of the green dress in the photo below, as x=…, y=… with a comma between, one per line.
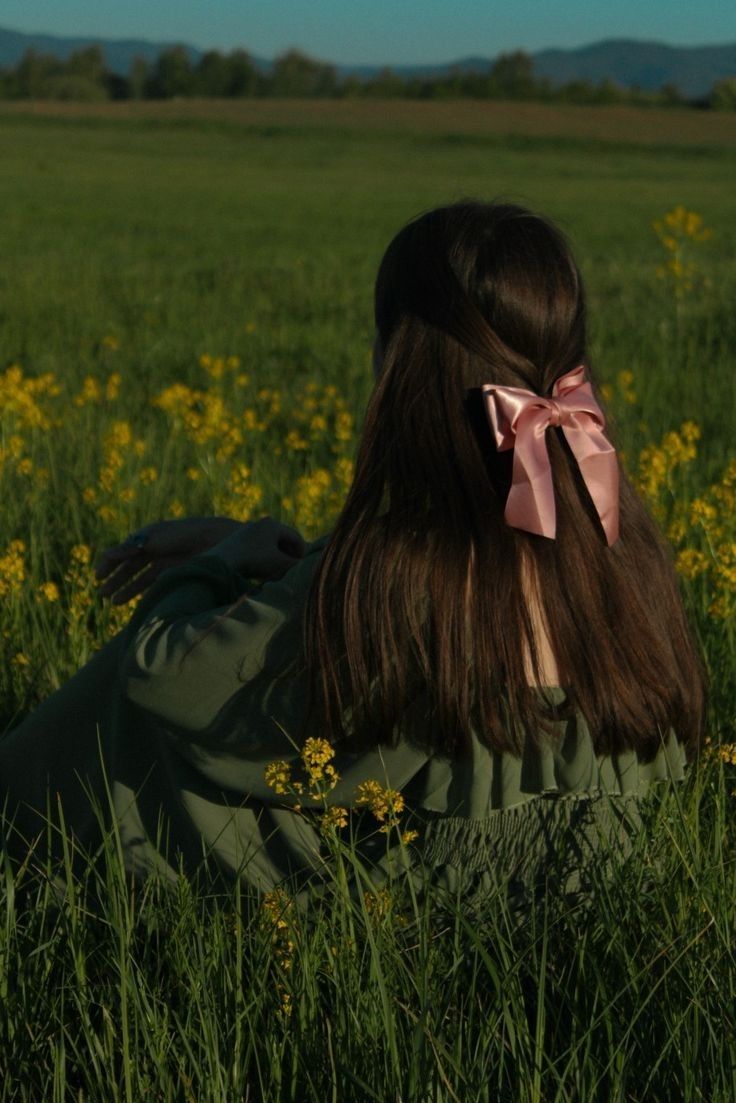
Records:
x=167, y=732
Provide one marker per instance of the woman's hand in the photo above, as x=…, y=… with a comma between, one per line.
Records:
x=263, y=549
x=127, y=569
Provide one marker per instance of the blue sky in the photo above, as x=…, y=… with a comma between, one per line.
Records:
x=390, y=31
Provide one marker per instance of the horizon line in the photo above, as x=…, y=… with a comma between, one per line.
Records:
x=99, y=39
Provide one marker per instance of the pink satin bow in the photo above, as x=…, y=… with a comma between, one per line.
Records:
x=519, y=420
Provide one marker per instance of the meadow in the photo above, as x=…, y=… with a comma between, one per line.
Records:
x=185, y=328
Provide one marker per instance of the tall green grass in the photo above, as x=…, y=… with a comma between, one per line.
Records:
x=169, y=991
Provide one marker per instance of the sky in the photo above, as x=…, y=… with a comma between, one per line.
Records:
x=388, y=32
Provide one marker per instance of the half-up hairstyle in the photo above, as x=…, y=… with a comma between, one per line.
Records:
x=424, y=592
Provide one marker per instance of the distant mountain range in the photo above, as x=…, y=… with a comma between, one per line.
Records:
x=627, y=62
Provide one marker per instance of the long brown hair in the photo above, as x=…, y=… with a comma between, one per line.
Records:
x=423, y=591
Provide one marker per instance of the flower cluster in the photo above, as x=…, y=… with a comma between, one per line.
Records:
x=726, y=753
x=702, y=530
x=318, y=779
x=278, y=923
x=680, y=233
x=318, y=776
x=94, y=392
x=20, y=398
x=277, y=917
x=227, y=417
x=385, y=804
x=624, y=388
x=200, y=452
x=658, y=463
x=12, y=569
x=319, y=495
x=240, y=497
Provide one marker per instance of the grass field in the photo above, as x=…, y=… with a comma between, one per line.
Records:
x=185, y=326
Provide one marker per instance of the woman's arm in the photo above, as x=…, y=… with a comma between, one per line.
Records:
x=127, y=569
x=196, y=639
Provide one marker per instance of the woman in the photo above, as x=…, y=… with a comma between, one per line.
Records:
x=493, y=627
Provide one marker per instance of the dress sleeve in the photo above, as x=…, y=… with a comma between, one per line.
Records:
x=202, y=633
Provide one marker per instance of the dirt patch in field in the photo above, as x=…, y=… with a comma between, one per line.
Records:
x=645, y=126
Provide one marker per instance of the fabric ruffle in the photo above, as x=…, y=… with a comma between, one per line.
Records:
x=485, y=781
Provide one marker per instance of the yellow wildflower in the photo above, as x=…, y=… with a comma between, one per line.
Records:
x=690, y=563
x=295, y=441
x=677, y=531
x=49, y=591
x=378, y=904
x=725, y=567
x=344, y=426
x=316, y=752
x=334, y=818
x=657, y=463
x=385, y=804
x=20, y=398
x=80, y=555
x=721, y=607
x=148, y=475
x=702, y=513
x=112, y=387
x=278, y=776
x=242, y=496
x=680, y=232
x=118, y=436
x=12, y=568
x=726, y=752
x=90, y=392
x=277, y=920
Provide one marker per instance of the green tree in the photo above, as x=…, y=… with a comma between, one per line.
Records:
x=212, y=77
x=386, y=85
x=172, y=74
x=512, y=75
x=138, y=78
x=86, y=77
x=723, y=95
x=608, y=92
x=295, y=74
x=243, y=77
x=33, y=73
x=88, y=63
x=579, y=91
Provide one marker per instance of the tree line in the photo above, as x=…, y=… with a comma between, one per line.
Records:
x=85, y=76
